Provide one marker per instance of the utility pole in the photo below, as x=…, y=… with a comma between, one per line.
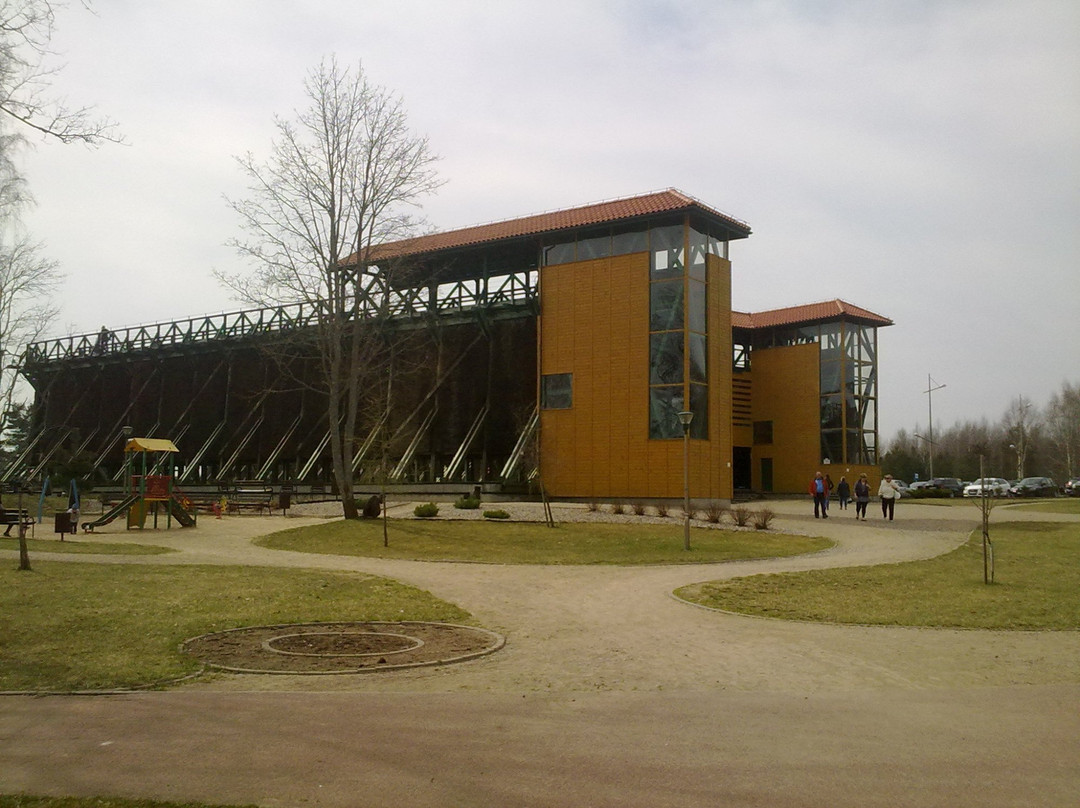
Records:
x=930, y=388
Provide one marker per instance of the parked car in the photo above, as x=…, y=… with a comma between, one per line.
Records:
x=1035, y=487
x=1072, y=487
x=919, y=484
x=903, y=488
x=950, y=484
x=995, y=487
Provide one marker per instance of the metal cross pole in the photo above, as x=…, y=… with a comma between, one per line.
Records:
x=685, y=418
x=930, y=407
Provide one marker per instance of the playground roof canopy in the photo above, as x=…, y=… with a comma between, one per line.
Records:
x=150, y=445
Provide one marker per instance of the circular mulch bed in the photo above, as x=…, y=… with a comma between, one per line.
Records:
x=340, y=647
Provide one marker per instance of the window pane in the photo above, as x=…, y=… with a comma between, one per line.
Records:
x=697, y=321
x=698, y=249
x=559, y=254
x=630, y=241
x=830, y=377
x=830, y=445
x=594, y=244
x=699, y=405
x=666, y=358
x=666, y=247
x=763, y=433
x=831, y=409
x=665, y=404
x=698, y=358
x=666, y=306
x=556, y=391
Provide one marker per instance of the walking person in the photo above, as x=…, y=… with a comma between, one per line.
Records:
x=828, y=491
x=819, y=490
x=862, y=497
x=843, y=493
x=888, y=493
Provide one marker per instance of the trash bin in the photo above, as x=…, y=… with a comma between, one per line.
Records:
x=62, y=523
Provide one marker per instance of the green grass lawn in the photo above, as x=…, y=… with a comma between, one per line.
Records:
x=532, y=543
x=81, y=546
x=1037, y=577
x=73, y=626
x=1070, y=505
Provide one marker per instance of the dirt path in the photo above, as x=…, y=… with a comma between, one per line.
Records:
x=595, y=628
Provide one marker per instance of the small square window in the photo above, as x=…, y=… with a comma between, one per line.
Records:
x=556, y=391
x=762, y=433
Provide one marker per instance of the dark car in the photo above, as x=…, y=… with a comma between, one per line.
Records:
x=950, y=484
x=1035, y=487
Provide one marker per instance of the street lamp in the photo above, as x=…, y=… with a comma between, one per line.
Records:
x=685, y=417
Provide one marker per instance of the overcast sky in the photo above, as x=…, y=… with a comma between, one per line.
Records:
x=919, y=159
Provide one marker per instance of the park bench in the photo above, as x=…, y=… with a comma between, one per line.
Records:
x=252, y=497
x=12, y=518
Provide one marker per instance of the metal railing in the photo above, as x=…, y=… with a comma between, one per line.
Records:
x=511, y=290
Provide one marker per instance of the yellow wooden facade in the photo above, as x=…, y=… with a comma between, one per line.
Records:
x=594, y=324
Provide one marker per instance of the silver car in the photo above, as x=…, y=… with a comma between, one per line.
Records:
x=995, y=487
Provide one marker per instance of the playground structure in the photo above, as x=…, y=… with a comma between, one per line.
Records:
x=149, y=487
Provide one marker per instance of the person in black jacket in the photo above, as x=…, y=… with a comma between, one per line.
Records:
x=862, y=497
x=843, y=493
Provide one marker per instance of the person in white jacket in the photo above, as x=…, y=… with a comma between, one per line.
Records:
x=889, y=493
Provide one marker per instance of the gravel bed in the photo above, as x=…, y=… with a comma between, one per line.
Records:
x=529, y=512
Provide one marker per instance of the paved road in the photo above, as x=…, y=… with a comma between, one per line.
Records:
x=609, y=693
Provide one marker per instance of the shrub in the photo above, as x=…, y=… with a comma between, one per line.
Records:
x=662, y=509
x=618, y=507
x=499, y=514
x=763, y=518
x=740, y=515
x=427, y=510
x=638, y=508
x=714, y=512
x=593, y=506
x=467, y=503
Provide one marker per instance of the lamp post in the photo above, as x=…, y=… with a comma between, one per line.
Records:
x=685, y=417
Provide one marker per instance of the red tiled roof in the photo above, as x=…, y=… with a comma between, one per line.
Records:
x=809, y=313
x=614, y=210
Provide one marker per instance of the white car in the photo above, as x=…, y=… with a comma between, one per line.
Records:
x=995, y=487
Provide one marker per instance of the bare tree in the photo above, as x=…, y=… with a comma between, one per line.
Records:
x=28, y=281
x=1063, y=428
x=27, y=278
x=1019, y=424
x=26, y=28
x=340, y=179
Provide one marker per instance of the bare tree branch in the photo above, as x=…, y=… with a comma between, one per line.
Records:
x=26, y=28
x=340, y=176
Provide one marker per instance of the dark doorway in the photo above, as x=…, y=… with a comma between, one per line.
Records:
x=741, y=468
x=766, y=474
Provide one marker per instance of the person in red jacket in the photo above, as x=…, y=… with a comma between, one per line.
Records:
x=819, y=490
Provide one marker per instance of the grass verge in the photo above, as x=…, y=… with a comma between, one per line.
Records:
x=532, y=543
x=1071, y=505
x=1037, y=576
x=82, y=547
x=69, y=626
